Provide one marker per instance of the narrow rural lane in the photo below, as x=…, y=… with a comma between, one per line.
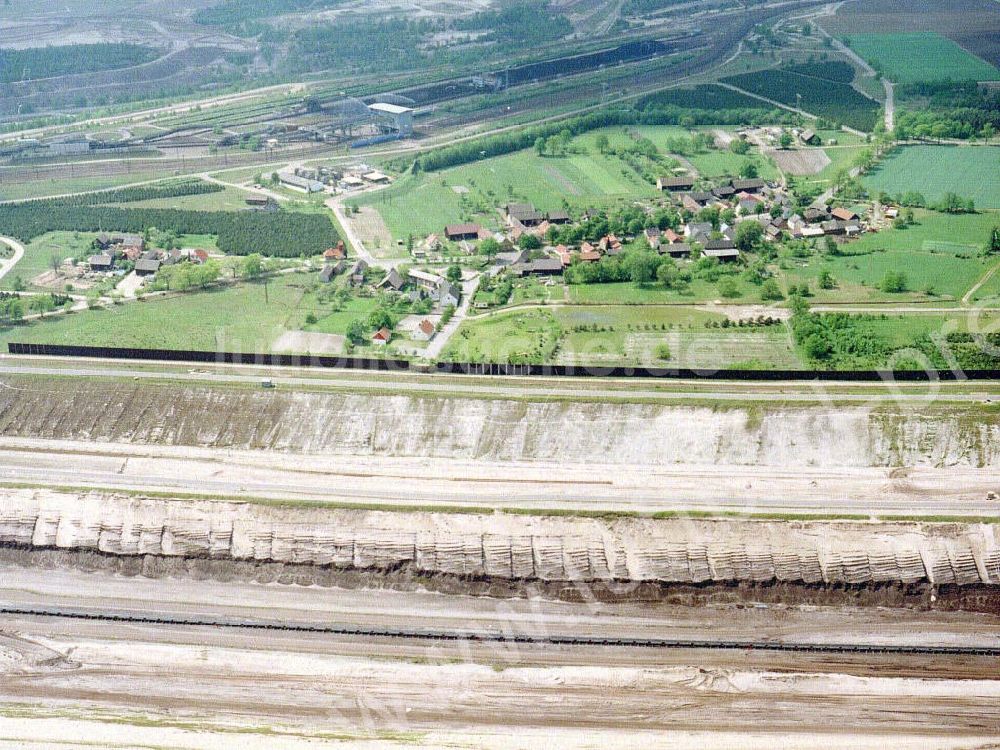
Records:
x=440, y=341
x=6, y=266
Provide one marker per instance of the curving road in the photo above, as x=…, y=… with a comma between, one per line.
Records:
x=6, y=266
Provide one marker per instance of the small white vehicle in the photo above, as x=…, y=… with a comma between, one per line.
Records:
x=267, y=383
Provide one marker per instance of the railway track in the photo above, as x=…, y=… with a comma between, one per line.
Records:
x=491, y=636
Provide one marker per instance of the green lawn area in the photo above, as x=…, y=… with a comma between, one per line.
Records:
x=841, y=157
x=425, y=203
x=614, y=335
x=521, y=336
x=721, y=163
x=228, y=199
x=969, y=171
x=231, y=318
x=920, y=56
x=941, y=252
x=39, y=252
x=627, y=293
x=336, y=321
x=641, y=335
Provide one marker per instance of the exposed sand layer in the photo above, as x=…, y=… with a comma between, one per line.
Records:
x=498, y=430
x=508, y=546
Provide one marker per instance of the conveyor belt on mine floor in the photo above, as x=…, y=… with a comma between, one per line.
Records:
x=487, y=636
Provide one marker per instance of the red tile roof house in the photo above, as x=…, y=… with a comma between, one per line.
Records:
x=588, y=253
x=381, y=337
x=199, y=256
x=844, y=214
x=425, y=330
x=565, y=256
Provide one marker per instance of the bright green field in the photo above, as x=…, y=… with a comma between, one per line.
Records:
x=922, y=56
x=969, y=171
x=613, y=335
x=39, y=252
x=425, y=203
x=234, y=318
x=928, y=253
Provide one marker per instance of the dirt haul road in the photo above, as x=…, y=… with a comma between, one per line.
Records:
x=450, y=482
x=123, y=685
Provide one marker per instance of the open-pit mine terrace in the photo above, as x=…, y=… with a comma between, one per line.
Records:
x=187, y=558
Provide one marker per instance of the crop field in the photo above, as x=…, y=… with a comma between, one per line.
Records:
x=835, y=101
x=934, y=170
x=922, y=56
x=706, y=96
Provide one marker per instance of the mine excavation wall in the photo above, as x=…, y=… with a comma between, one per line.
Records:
x=504, y=547
x=502, y=430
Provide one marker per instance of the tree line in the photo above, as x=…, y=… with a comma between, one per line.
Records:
x=507, y=143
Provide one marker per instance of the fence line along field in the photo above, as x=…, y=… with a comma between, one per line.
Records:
x=970, y=172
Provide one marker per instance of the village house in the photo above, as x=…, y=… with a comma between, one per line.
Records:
x=810, y=137
x=146, y=267
x=332, y=270
x=610, y=245
x=448, y=294
x=676, y=250
x=524, y=214
x=565, y=256
x=559, y=217
x=459, y=232
x=723, y=250
x=101, y=262
x=690, y=204
x=512, y=257
x=381, y=337
x=426, y=281
x=540, y=267
x=653, y=237
x=751, y=185
x=814, y=214
x=674, y=184
x=844, y=214
x=357, y=272
x=424, y=331
x=393, y=280
x=698, y=231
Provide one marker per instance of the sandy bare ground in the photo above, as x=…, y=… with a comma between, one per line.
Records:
x=311, y=342
x=428, y=481
x=66, y=683
x=800, y=161
x=373, y=231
